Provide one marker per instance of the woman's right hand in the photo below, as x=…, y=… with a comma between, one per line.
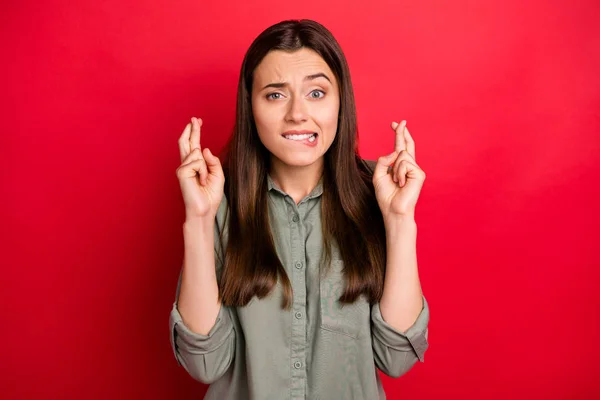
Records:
x=200, y=175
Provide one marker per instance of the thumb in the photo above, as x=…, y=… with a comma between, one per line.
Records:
x=381, y=169
x=212, y=162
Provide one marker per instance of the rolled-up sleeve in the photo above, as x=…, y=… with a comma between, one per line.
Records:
x=396, y=352
x=205, y=357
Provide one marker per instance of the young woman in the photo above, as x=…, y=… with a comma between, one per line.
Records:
x=300, y=275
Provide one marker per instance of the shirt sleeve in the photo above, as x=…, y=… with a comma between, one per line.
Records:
x=206, y=357
x=396, y=352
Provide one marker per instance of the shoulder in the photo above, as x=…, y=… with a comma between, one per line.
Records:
x=369, y=165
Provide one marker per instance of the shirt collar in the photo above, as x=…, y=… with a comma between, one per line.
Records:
x=316, y=192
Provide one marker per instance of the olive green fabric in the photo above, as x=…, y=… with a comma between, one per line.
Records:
x=318, y=349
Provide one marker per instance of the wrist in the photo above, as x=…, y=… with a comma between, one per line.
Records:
x=399, y=219
x=400, y=223
x=195, y=224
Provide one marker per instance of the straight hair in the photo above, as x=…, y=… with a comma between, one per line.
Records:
x=351, y=218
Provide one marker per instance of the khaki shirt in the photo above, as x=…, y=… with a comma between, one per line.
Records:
x=318, y=350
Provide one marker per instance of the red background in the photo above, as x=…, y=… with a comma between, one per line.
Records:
x=502, y=99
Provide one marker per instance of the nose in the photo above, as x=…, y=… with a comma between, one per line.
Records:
x=296, y=111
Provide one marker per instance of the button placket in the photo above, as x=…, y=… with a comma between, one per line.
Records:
x=298, y=278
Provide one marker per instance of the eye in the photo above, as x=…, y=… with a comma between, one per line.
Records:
x=317, y=94
x=273, y=96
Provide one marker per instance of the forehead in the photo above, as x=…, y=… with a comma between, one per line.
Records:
x=279, y=66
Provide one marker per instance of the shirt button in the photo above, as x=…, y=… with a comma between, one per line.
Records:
x=295, y=218
x=298, y=265
x=298, y=315
x=297, y=364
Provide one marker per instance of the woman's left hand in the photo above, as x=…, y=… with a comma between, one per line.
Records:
x=397, y=188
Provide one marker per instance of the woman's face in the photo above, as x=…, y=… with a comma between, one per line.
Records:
x=295, y=103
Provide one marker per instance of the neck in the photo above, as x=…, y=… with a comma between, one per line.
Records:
x=298, y=182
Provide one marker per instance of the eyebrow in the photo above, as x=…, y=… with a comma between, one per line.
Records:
x=306, y=78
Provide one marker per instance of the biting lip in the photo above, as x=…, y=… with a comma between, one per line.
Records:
x=304, y=137
x=299, y=133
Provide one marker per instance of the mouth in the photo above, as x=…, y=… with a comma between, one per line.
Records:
x=309, y=137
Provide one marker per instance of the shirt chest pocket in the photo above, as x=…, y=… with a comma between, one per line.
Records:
x=352, y=320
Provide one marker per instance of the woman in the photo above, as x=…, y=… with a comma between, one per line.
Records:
x=300, y=274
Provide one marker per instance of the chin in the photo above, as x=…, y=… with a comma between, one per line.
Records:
x=298, y=160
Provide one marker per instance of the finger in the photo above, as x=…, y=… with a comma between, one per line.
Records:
x=203, y=170
x=195, y=154
x=195, y=158
x=191, y=159
x=396, y=168
x=195, y=136
x=381, y=168
x=410, y=144
x=402, y=170
x=406, y=167
x=404, y=156
x=184, y=142
x=400, y=142
x=190, y=170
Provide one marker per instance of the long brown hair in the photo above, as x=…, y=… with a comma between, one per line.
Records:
x=351, y=217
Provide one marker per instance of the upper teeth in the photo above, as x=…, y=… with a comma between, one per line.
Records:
x=300, y=137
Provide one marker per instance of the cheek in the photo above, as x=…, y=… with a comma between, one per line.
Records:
x=328, y=118
x=262, y=119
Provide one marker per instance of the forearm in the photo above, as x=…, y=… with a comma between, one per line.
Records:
x=198, y=301
x=402, y=295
